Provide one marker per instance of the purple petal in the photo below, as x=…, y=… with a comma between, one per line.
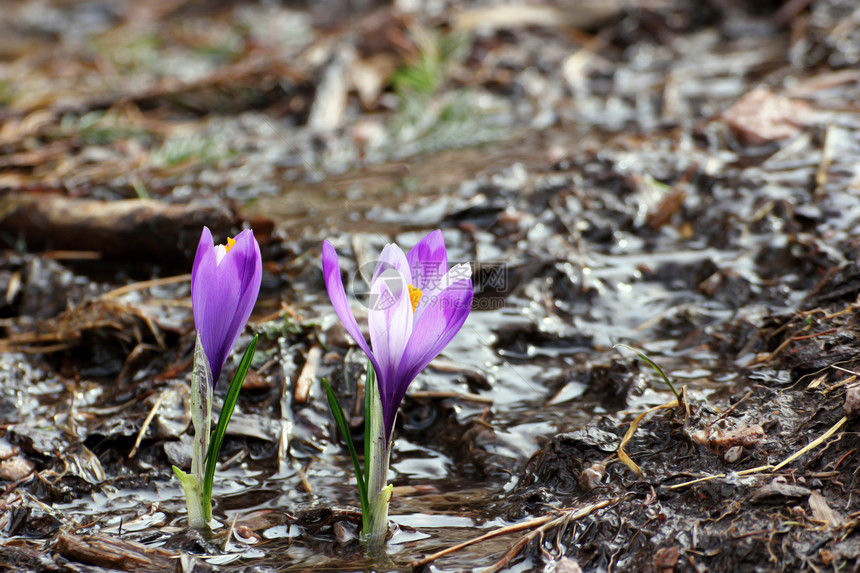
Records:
x=244, y=261
x=207, y=319
x=205, y=246
x=337, y=295
x=428, y=261
x=223, y=294
x=434, y=329
x=392, y=257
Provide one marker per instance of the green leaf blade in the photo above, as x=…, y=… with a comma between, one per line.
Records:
x=644, y=357
x=340, y=420
x=224, y=418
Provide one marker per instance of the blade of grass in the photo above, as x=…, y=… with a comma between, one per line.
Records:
x=340, y=420
x=653, y=365
x=140, y=189
x=224, y=418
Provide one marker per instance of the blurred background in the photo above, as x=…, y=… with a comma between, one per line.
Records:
x=677, y=175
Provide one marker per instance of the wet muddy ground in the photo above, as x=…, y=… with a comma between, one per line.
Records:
x=677, y=176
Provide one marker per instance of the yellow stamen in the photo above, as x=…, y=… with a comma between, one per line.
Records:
x=229, y=245
x=415, y=296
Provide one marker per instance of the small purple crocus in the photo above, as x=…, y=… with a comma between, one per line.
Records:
x=417, y=305
x=225, y=282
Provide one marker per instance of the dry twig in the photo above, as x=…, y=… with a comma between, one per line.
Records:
x=568, y=514
x=810, y=446
x=622, y=455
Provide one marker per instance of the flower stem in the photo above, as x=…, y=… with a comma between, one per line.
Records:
x=199, y=506
x=377, y=459
x=198, y=502
x=375, y=527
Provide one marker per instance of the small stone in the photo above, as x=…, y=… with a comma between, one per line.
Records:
x=7, y=450
x=15, y=468
x=565, y=565
x=343, y=532
x=719, y=440
x=852, y=402
x=246, y=535
x=733, y=454
x=798, y=511
x=761, y=116
x=591, y=477
x=331, y=357
x=179, y=452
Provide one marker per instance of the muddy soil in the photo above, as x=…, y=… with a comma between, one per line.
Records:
x=680, y=177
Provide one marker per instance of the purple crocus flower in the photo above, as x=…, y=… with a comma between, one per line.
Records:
x=417, y=305
x=225, y=283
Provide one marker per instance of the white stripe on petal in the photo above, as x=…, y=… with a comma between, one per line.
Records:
x=457, y=273
x=220, y=251
x=390, y=320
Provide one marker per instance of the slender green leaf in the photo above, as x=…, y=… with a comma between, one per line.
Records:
x=224, y=418
x=653, y=365
x=370, y=390
x=140, y=189
x=340, y=419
